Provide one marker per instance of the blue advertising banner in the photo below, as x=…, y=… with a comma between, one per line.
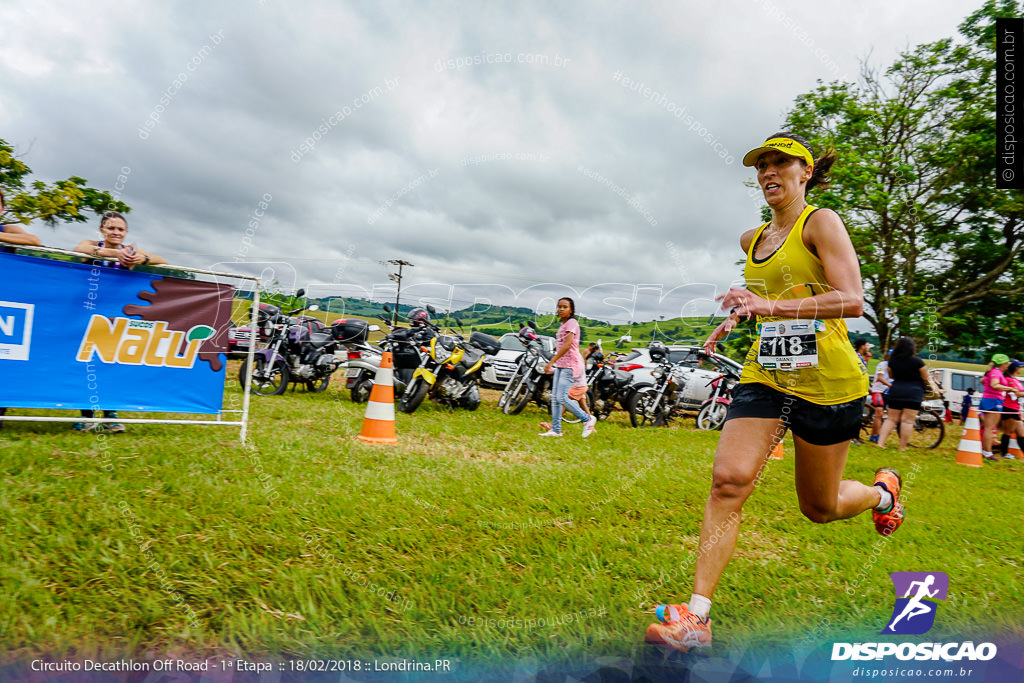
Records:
x=97, y=337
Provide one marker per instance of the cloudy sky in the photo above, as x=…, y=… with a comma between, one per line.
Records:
x=511, y=151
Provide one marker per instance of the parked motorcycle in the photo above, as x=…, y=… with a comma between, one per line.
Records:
x=661, y=403
x=405, y=345
x=714, y=410
x=529, y=382
x=299, y=349
x=607, y=386
x=362, y=358
x=450, y=370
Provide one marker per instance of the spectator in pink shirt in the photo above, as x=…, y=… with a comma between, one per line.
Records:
x=568, y=367
x=1010, y=419
x=991, y=404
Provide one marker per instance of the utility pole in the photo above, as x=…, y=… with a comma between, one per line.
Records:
x=397, y=277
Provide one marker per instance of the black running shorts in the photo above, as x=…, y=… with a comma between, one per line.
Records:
x=816, y=424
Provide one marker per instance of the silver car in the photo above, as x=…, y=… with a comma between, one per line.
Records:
x=503, y=364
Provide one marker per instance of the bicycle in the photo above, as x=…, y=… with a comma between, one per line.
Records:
x=929, y=427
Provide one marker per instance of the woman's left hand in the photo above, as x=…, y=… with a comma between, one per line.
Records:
x=131, y=259
x=744, y=302
x=722, y=331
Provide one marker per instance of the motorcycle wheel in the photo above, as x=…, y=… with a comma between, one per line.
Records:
x=712, y=416
x=360, y=392
x=645, y=409
x=592, y=402
x=518, y=397
x=413, y=396
x=318, y=385
x=241, y=373
x=471, y=401
x=630, y=393
x=271, y=381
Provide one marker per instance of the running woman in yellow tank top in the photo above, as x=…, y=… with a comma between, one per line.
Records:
x=802, y=278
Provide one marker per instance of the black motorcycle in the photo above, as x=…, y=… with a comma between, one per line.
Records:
x=299, y=349
x=663, y=402
x=608, y=387
x=406, y=346
x=529, y=382
x=364, y=357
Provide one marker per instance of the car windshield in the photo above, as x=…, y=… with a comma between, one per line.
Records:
x=685, y=356
x=510, y=342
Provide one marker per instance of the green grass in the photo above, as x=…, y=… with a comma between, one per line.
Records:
x=110, y=540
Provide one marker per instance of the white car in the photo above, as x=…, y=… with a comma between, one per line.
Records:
x=503, y=364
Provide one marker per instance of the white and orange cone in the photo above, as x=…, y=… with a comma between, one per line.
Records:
x=969, y=451
x=776, y=453
x=379, y=422
x=1014, y=449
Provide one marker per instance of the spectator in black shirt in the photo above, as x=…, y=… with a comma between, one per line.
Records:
x=909, y=381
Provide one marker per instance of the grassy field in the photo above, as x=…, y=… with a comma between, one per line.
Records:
x=471, y=538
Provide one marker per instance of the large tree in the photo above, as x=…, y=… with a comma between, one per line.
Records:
x=916, y=184
x=64, y=200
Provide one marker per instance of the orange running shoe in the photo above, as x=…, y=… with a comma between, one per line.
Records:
x=686, y=632
x=890, y=520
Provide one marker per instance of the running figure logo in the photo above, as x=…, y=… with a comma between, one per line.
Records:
x=916, y=593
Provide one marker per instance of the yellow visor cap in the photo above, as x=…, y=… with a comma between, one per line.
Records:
x=785, y=145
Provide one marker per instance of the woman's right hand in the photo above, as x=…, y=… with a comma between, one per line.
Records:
x=720, y=332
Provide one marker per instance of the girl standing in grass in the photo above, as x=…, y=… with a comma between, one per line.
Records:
x=568, y=367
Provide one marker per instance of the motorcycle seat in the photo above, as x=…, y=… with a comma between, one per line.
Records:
x=320, y=339
x=621, y=378
x=471, y=356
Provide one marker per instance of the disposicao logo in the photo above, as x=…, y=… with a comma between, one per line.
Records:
x=916, y=593
x=15, y=330
x=141, y=342
x=913, y=614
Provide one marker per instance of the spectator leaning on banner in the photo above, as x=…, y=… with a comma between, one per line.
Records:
x=14, y=234
x=113, y=229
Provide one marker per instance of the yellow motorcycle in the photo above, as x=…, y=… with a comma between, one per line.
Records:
x=450, y=371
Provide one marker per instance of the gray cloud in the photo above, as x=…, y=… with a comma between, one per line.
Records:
x=395, y=92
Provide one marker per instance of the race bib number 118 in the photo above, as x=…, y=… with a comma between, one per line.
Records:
x=789, y=344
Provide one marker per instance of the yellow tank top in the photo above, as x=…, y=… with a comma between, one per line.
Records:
x=793, y=272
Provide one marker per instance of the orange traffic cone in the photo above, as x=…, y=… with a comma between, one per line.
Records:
x=776, y=453
x=1014, y=449
x=969, y=451
x=379, y=423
